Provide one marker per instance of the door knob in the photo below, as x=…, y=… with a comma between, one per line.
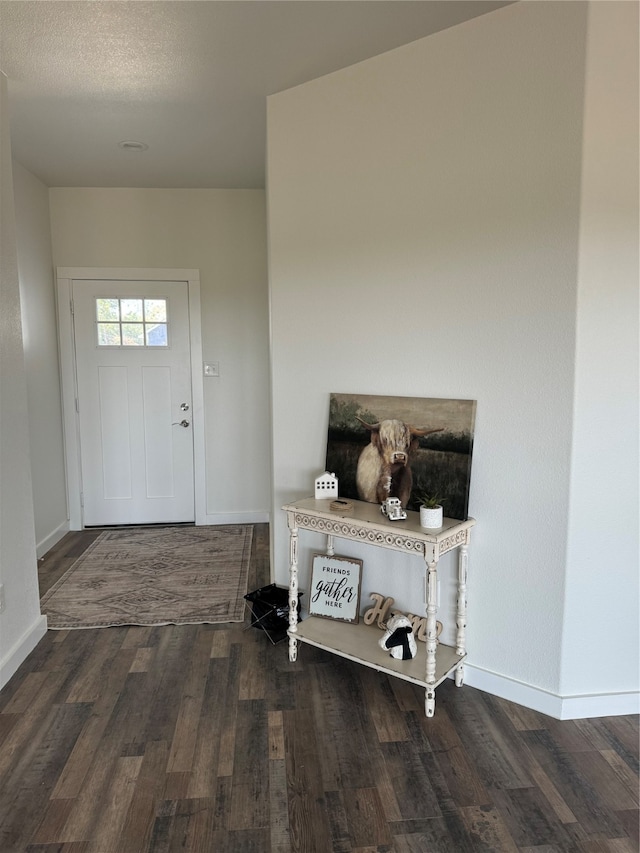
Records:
x=184, y=424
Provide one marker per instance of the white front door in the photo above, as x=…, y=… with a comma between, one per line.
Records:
x=133, y=370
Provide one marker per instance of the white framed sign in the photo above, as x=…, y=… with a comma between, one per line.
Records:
x=335, y=587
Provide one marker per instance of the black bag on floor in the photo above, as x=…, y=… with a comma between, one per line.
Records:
x=270, y=610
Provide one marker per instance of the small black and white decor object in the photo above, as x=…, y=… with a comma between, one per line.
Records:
x=399, y=638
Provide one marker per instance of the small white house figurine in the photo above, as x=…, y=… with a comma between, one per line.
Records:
x=399, y=638
x=392, y=508
x=326, y=486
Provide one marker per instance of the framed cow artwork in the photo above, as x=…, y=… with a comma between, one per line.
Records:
x=402, y=447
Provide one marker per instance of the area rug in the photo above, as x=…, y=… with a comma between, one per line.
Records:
x=155, y=576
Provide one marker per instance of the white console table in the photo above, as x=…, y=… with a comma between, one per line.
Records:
x=359, y=642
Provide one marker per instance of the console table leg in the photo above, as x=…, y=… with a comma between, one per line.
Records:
x=430, y=702
x=293, y=592
x=461, y=615
x=432, y=633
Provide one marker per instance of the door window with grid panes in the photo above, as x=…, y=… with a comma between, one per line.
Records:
x=131, y=322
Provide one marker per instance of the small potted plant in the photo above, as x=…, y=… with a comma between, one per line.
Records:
x=431, y=511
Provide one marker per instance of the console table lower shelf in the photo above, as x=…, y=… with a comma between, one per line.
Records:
x=359, y=643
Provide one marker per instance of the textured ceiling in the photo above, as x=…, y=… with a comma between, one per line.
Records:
x=189, y=79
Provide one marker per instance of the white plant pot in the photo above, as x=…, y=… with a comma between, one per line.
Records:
x=431, y=517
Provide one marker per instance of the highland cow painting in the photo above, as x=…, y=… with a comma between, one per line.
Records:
x=402, y=447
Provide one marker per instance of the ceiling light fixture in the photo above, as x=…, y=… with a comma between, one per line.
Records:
x=133, y=146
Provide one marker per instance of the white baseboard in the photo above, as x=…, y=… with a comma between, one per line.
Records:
x=600, y=705
x=10, y=662
x=552, y=704
x=234, y=518
x=49, y=541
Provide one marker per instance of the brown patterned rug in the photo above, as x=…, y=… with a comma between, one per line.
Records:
x=155, y=576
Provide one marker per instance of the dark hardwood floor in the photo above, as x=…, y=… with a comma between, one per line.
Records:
x=206, y=739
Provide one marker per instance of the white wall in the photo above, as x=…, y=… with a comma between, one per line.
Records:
x=426, y=204
x=221, y=233
x=21, y=625
x=39, y=333
x=602, y=556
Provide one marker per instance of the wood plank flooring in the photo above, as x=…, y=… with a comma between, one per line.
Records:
x=205, y=739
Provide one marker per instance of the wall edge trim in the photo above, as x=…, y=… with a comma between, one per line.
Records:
x=560, y=707
x=52, y=539
x=10, y=663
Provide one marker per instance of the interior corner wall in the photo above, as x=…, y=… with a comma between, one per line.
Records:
x=222, y=234
x=40, y=340
x=423, y=215
x=21, y=625
x=602, y=597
